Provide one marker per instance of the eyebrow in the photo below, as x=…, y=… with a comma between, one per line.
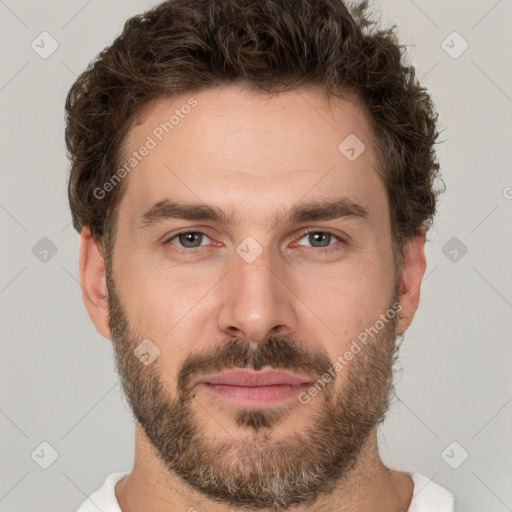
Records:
x=301, y=212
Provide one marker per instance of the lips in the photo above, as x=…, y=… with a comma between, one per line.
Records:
x=253, y=378
x=254, y=388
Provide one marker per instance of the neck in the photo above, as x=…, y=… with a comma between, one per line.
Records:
x=369, y=486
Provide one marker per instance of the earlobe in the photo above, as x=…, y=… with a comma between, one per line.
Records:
x=412, y=271
x=93, y=282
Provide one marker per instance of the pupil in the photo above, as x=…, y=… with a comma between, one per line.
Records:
x=322, y=238
x=189, y=238
x=316, y=239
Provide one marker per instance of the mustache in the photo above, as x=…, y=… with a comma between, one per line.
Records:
x=279, y=352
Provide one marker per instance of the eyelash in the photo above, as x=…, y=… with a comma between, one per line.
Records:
x=193, y=250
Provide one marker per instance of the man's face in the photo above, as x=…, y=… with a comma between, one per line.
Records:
x=268, y=285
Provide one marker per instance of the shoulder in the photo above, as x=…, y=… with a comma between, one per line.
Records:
x=104, y=498
x=429, y=496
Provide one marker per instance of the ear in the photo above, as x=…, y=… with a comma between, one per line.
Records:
x=413, y=269
x=93, y=282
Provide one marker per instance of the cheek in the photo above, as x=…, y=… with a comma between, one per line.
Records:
x=347, y=307
x=167, y=304
x=349, y=299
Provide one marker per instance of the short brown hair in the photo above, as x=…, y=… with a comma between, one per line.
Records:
x=271, y=46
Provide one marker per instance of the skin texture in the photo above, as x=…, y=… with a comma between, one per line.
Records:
x=254, y=157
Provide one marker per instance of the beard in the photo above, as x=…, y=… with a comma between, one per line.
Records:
x=251, y=469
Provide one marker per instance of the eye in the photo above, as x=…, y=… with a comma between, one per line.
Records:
x=319, y=239
x=189, y=239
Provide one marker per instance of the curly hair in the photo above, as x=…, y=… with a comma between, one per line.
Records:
x=272, y=46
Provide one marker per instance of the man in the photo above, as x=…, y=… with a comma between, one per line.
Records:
x=252, y=181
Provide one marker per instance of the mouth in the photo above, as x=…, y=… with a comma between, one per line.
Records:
x=255, y=388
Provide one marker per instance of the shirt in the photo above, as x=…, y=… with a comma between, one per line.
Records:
x=427, y=496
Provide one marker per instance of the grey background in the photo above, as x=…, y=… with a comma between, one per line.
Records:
x=57, y=379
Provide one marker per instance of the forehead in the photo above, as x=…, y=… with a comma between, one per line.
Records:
x=250, y=153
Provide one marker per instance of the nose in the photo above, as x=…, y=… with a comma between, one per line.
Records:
x=257, y=301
